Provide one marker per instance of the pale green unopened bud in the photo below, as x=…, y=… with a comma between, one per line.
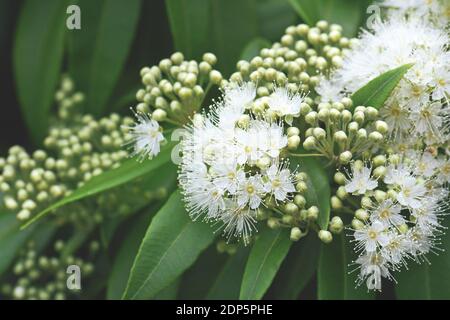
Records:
x=336, y=203
x=371, y=113
x=379, y=172
x=313, y=213
x=293, y=142
x=359, y=117
x=291, y=208
x=342, y=193
x=353, y=127
x=263, y=163
x=23, y=214
x=325, y=236
x=311, y=118
x=296, y=234
x=361, y=214
x=273, y=223
x=292, y=131
x=309, y=143
x=345, y=157
x=300, y=201
x=340, y=136
x=380, y=195
x=301, y=186
x=381, y=126
x=339, y=178
x=379, y=160
x=336, y=225
x=319, y=133
x=366, y=202
x=357, y=224
x=215, y=77
x=244, y=121
x=403, y=228
x=375, y=136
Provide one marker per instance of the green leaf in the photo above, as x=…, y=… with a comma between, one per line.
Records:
x=37, y=57
x=127, y=251
x=200, y=26
x=188, y=22
x=11, y=239
x=378, y=90
x=334, y=278
x=129, y=170
x=98, y=52
x=318, y=192
x=227, y=284
x=274, y=16
x=172, y=243
x=350, y=14
x=427, y=281
x=266, y=256
x=253, y=48
x=196, y=281
x=297, y=269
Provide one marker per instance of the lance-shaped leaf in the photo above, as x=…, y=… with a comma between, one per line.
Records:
x=377, y=91
x=129, y=170
x=37, y=58
x=98, y=51
x=171, y=245
x=266, y=256
x=318, y=192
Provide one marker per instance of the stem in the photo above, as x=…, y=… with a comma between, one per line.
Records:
x=304, y=155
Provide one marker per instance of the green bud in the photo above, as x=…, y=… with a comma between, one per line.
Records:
x=296, y=234
x=336, y=225
x=325, y=236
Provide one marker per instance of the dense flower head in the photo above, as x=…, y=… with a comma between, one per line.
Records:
x=434, y=11
x=419, y=105
x=232, y=163
x=399, y=219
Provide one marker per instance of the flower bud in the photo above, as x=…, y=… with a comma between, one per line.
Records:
x=375, y=136
x=313, y=213
x=291, y=208
x=293, y=142
x=381, y=126
x=296, y=234
x=379, y=172
x=273, y=223
x=319, y=133
x=292, y=131
x=357, y=224
x=339, y=178
x=325, y=236
x=336, y=225
x=345, y=157
x=300, y=201
x=342, y=193
x=340, y=136
x=336, y=203
x=215, y=77
x=361, y=214
x=301, y=186
x=309, y=143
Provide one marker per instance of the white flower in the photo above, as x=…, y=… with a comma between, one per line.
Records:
x=283, y=102
x=250, y=192
x=373, y=267
x=411, y=193
x=427, y=117
x=360, y=180
x=388, y=213
x=145, y=136
x=396, y=250
x=371, y=236
x=396, y=173
x=239, y=96
x=281, y=182
x=397, y=118
x=277, y=140
x=239, y=222
x=227, y=175
x=424, y=164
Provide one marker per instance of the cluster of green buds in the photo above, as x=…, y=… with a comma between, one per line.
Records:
x=341, y=133
x=175, y=89
x=77, y=148
x=37, y=276
x=298, y=60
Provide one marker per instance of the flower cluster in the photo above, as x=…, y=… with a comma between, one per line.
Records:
x=435, y=11
x=233, y=166
x=31, y=267
x=418, y=109
x=297, y=61
x=401, y=200
x=175, y=89
x=77, y=148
